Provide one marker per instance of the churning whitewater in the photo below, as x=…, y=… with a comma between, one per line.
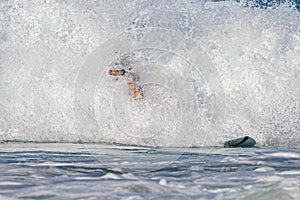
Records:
x=210, y=71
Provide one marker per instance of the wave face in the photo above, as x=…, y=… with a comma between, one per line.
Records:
x=210, y=71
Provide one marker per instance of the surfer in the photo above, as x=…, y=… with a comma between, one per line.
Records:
x=134, y=90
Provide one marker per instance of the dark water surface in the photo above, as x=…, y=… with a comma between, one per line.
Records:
x=76, y=171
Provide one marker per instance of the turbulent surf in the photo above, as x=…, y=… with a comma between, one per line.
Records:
x=210, y=72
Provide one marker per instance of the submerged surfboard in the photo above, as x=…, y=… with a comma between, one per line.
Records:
x=240, y=142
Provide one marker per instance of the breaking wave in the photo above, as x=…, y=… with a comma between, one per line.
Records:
x=210, y=71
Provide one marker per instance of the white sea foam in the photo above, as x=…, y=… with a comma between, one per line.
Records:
x=254, y=54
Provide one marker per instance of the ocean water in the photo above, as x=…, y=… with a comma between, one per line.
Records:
x=210, y=71
x=77, y=171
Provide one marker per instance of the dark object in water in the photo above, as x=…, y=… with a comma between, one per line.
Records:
x=240, y=142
